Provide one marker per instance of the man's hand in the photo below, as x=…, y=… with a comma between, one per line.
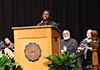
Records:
x=62, y=51
x=82, y=48
x=89, y=47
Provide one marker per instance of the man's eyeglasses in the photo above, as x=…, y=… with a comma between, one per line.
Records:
x=65, y=33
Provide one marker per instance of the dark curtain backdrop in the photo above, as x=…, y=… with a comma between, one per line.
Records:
x=77, y=16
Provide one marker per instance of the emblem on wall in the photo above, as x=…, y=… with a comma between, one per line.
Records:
x=32, y=51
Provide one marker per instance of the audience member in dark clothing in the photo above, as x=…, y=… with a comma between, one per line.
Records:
x=67, y=43
x=70, y=45
x=9, y=50
x=86, y=47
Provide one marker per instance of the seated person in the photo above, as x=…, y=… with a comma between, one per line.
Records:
x=9, y=50
x=67, y=43
x=85, y=45
x=70, y=45
x=46, y=15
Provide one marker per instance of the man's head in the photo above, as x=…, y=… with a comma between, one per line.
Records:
x=7, y=41
x=66, y=34
x=88, y=34
x=46, y=15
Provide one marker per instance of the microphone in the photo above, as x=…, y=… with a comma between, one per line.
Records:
x=41, y=22
x=58, y=24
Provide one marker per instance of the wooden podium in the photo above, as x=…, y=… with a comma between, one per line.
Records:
x=47, y=37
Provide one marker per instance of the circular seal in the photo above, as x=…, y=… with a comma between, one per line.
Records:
x=32, y=51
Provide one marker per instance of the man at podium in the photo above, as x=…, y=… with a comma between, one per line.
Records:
x=46, y=15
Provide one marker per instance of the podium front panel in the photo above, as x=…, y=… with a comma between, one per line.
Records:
x=46, y=38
